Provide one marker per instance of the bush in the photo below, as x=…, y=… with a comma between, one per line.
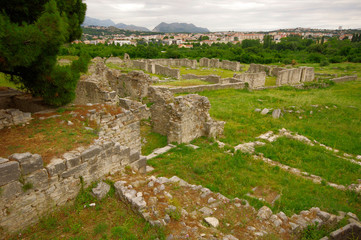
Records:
x=324, y=62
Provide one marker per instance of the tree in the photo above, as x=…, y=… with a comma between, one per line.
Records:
x=31, y=35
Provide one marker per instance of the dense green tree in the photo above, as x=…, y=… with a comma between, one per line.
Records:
x=31, y=35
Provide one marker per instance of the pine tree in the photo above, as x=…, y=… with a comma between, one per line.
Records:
x=31, y=35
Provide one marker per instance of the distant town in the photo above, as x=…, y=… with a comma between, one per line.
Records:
x=113, y=35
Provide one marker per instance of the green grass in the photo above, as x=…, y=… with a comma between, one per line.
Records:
x=314, y=160
x=341, y=69
x=183, y=83
x=234, y=176
x=109, y=219
x=150, y=140
x=208, y=71
x=270, y=81
x=336, y=127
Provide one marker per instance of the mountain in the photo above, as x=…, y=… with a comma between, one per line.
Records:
x=179, y=27
x=96, y=22
x=89, y=21
x=131, y=27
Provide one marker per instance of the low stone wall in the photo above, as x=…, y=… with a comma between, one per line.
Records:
x=183, y=62
x=142, y=65
x=200, y=88
x=115, y=60
x=210, y=63
x=182, y=118
x=230, y=65
x=269, y=70
x=30, y=190
x=9, y=117
x=167, y=71
x=295, y=76
x=254, y=80
x=345, y=79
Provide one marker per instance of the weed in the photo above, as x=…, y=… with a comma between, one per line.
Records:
x=49, y=222
x=100, y=228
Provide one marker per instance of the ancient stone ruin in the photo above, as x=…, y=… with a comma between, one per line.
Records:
x=107, y=85
x=293, y=76
x=254, y=80
x=182, y=118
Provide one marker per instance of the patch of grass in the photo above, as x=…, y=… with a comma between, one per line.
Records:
x=183, y=83
x=270, y=81
x=235, y=176
x=150, y=140
x=335, y=127
x=314, y=160
x=49, y=137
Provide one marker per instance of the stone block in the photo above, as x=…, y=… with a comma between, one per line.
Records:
x=101, y=190
x=72, y=159
x=28, y=162
x=39, y=178
x=140, y=165
x=76, y=171
x=90, y=153
x=56, y=166
x=11, y=190
x=134, y=156
x=9, y=171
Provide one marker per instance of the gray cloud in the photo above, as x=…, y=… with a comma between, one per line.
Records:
x=238, y=15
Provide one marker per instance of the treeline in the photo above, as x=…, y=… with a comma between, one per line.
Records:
x=288, y=50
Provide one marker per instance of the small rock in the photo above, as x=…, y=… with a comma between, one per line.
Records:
x=250, y=228
x=265, y=111
x=206, y=211
x=70, y=123
x=149, y=169
x=264, y=213
x=352, y=215
x=276, y=113
x=212, y=221
x=258, y=110
x=101, y=190
x=167, y=218
x=211, y=200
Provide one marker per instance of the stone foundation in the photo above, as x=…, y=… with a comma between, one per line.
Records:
x=10, y=117
x=345, y=79
x=182, y=118
x=295, y=76
x=254, y=80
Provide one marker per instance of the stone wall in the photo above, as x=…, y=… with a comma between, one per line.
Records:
x=200, y=88
x=138, y=64
x=270, y=70
x=254, y=80
x=114, y=60
x=118, y=145
x=106, y=85
x=295, y=76
x=183, y=62
x=230, y=65
x=167, y=71
x=182, y=118
x=9, y=117
x=141, y=111
x=210, y=63
x=345, y=79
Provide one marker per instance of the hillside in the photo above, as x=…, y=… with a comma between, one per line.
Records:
x=179, y=27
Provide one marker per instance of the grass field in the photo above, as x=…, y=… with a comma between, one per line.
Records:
x=335, y=122
x=224, y=73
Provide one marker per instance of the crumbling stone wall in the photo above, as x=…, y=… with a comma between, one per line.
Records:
x=9, y=117
x=210, y=63
x=270, y=70
x=182, y=118
x=57, y=183
x=254, y=80
x=115, y=60
x=295, y=76
x=345, y=78
x=230, y=65
x=106, y=85
x=183, y=62
x=167, y=71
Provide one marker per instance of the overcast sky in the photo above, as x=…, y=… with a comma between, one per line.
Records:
x=231, y=15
